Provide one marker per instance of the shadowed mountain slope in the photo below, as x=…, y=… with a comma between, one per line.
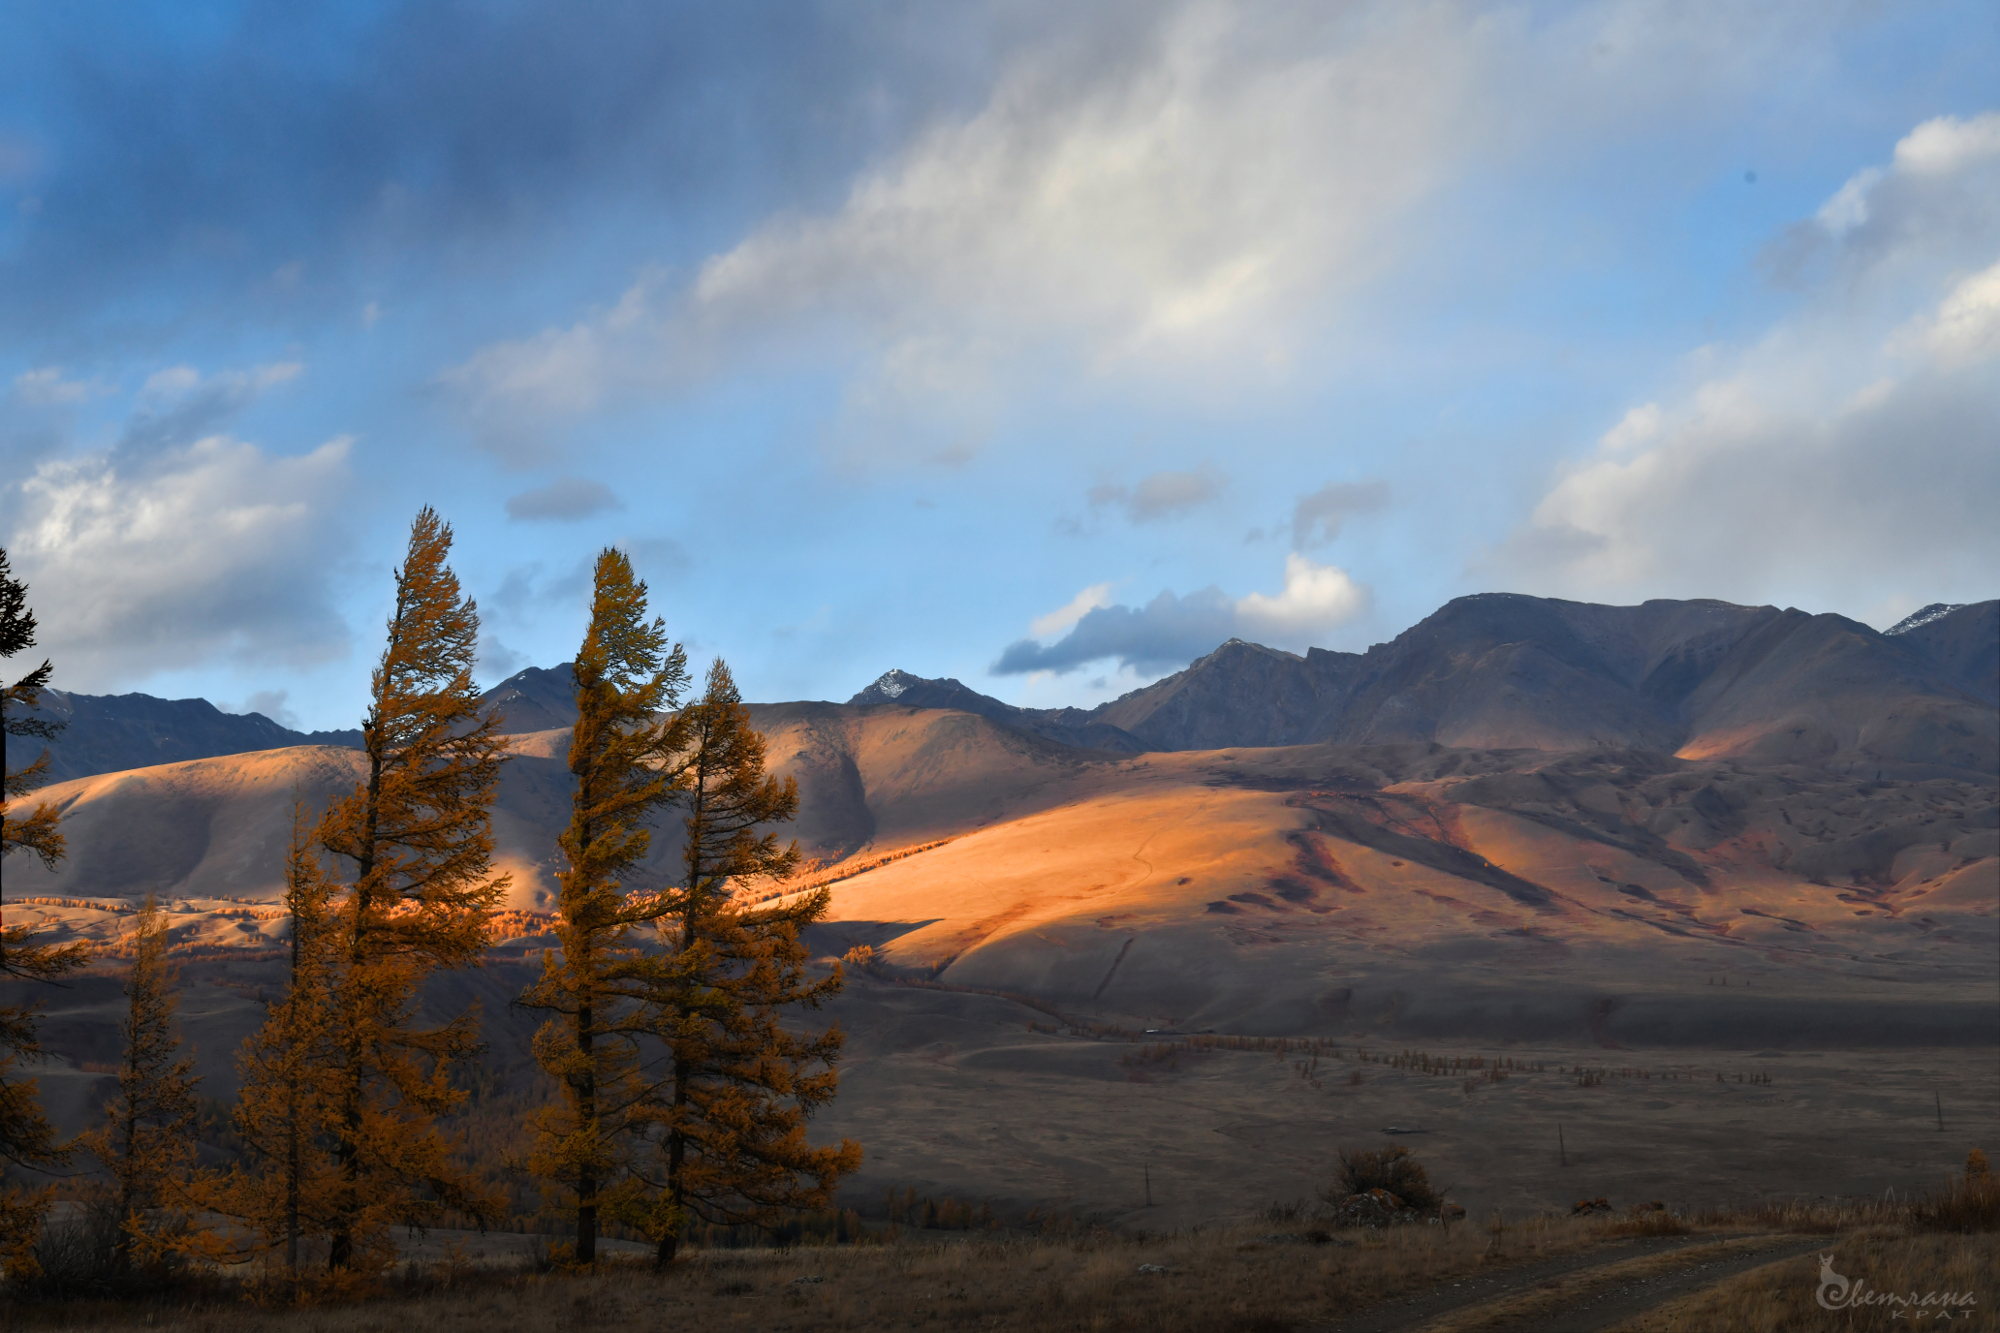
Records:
x=111, y=733
x=1963, y=642
x=1067, y=726
x=1697, y=678
x=1702, y=679
x=108, y=733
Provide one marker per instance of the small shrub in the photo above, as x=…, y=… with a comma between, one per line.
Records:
x=1970, y=1202
x=74, y=1254
x=1391, y=1169
x=1649, y=1220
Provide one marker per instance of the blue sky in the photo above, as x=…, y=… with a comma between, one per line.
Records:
x=991, y=341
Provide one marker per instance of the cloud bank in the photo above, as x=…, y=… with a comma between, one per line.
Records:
x=211, y=551
x=1854, y=440
x=1170, y=631
x=1172, y=194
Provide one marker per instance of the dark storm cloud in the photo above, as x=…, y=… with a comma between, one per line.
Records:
x=271, y=148
x=1165, y=634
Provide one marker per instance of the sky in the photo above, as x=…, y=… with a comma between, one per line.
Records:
x=1039, y=345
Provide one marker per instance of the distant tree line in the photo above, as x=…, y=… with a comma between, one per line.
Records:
x=676, y=1098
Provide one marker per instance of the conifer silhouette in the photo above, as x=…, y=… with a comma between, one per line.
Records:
x=147, y=1142
x=731, y=1113
x=622, y=753
x=26, y=1137
x=419, y=836
x=291, y=1079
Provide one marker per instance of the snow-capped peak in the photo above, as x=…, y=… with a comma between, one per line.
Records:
x=1935, y=611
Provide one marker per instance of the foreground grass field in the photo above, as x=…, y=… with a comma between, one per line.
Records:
x=1775, y=1300
x=1463, y=1278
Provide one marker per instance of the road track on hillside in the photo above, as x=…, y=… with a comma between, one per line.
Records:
x=1593, y=1292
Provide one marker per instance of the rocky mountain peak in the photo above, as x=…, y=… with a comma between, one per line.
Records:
x=1918, y=619
x=893, y=685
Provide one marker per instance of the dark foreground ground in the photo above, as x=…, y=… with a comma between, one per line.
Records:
x=1556, y=1276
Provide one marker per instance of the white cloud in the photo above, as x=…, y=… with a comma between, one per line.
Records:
x=46, y=387
x=179, y=381
x=1316, y=599
x=1060, y=619
x=1948, y=144
x=1184, y=198
x=1176, y=200
x=1966, y=327
x=1851, y=445
x=213, y=550
x=271, y=703
x=1171, y=199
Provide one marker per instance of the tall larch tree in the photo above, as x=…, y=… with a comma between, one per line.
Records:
x=291, y=1079
x=623, y=754
x=418, y=837
x=739, y=1086
x=27, y=1139
x=147, y=1142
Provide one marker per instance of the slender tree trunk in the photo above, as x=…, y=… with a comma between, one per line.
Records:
x=292, y=1118
x=676, y=1139
x=292, y=1183
x=676, y=1187
x=341, y=1251
x=586, y=1106
x=121, y=1254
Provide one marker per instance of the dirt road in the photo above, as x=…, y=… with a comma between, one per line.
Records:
x=1581, y=1293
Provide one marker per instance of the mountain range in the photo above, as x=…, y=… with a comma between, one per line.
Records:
x=1696, y=679
x=1522, y=820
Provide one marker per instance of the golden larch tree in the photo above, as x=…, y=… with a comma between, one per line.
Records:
x=291, y=1079
x=418, y=835
x=739, y=1087
x=27, y=1139
x=622, y=755
x=147, y=1141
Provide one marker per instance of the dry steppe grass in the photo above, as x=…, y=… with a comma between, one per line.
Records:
x=1218, y=1279
x=1780, y=1298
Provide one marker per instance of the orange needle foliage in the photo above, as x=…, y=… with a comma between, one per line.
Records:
x=731, y=1113
x=147, y=1142
x=622, y=755
x=285, y=1111
x=419, y=835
